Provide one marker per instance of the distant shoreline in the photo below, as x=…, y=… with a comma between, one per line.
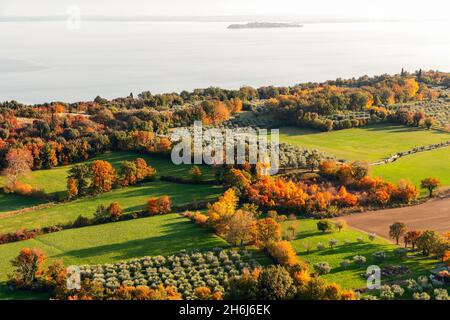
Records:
x=264, y=25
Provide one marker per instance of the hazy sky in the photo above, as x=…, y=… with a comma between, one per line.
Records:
x=353, y=8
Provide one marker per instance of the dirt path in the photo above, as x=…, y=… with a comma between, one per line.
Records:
x=434, y=215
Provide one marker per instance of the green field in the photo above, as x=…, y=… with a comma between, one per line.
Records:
x=130, y=199
x=55, y=180
x=368, y=143
x=12, y=202
x=351, y=276
x=160, y=235
x=417, y=167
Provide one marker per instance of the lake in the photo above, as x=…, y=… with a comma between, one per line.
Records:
x=45, y=61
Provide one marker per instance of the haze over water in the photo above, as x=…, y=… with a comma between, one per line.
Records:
x=45, y=61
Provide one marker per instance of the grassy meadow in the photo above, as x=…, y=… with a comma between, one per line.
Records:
x=12, y=202
x=370, y=143
x=130, y=199
x=416, y=167
x=159, y=235
x=55, y=180
x=350, y=277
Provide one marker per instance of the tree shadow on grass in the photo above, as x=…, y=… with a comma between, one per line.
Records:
x=177, y=236
x=308, y=234
x=365, y=249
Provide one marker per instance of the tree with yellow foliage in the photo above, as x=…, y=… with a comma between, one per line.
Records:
x=220, y=212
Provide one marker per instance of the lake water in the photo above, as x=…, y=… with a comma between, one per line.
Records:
x=44, y=61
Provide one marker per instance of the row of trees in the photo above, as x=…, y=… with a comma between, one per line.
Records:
x=428, y=241
x=279, y=282
x=100, y=176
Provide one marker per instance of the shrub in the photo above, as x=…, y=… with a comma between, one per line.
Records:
x=345, y=263
x=424, y=282
x=165, y=204
x=340, y=225
x=282, y=252
x=196, y=173
x=360, y=239
x=184, y=271
x=152, y=206
x=332, y=243
x=441, y=294
x=322, y=268
x=161, y=205
x=372, y=236
x=273, y=214
x=200, y=218
x=81, y=222
x=115, y=211
x=401, y=252
x=421, y=296
x=397, y=290
x=359, y=260
x=320, y=246
x=325, y=226
x=386, y=293
x=275, y=283
x=379, y=256
x=413, y=286
x=101, y=213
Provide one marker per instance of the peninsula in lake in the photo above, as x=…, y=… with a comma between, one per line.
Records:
x=264, y=25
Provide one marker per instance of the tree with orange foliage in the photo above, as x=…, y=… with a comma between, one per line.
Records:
x=267, y=231
x=328, y=168
x=430, y=184
x=72, y=188
x=405, y=191
x=345, y=199
x=49, y=159
x=164, y=204
x=115, y=211
x=59, y=108
x=382, y=196
x=447, y=236
x=411, y=87
x=161, y=205
x=28, y=267
x=103, y=176
x=220, y=212
x=411, y=238
x=283, y=253
x=164, y=145
x=235, y=105
x=144, y=140
x=143, y=170
x=152, y=206
x=238, y=179
x=241, y=228
x=446, y=257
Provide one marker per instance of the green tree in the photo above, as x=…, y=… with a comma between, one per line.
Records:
x=428, y=241
x=81, y=173
x=325, y=226
x=397, y=230
x=275, y=283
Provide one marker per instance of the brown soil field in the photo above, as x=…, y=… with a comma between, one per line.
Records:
x=432, y=215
